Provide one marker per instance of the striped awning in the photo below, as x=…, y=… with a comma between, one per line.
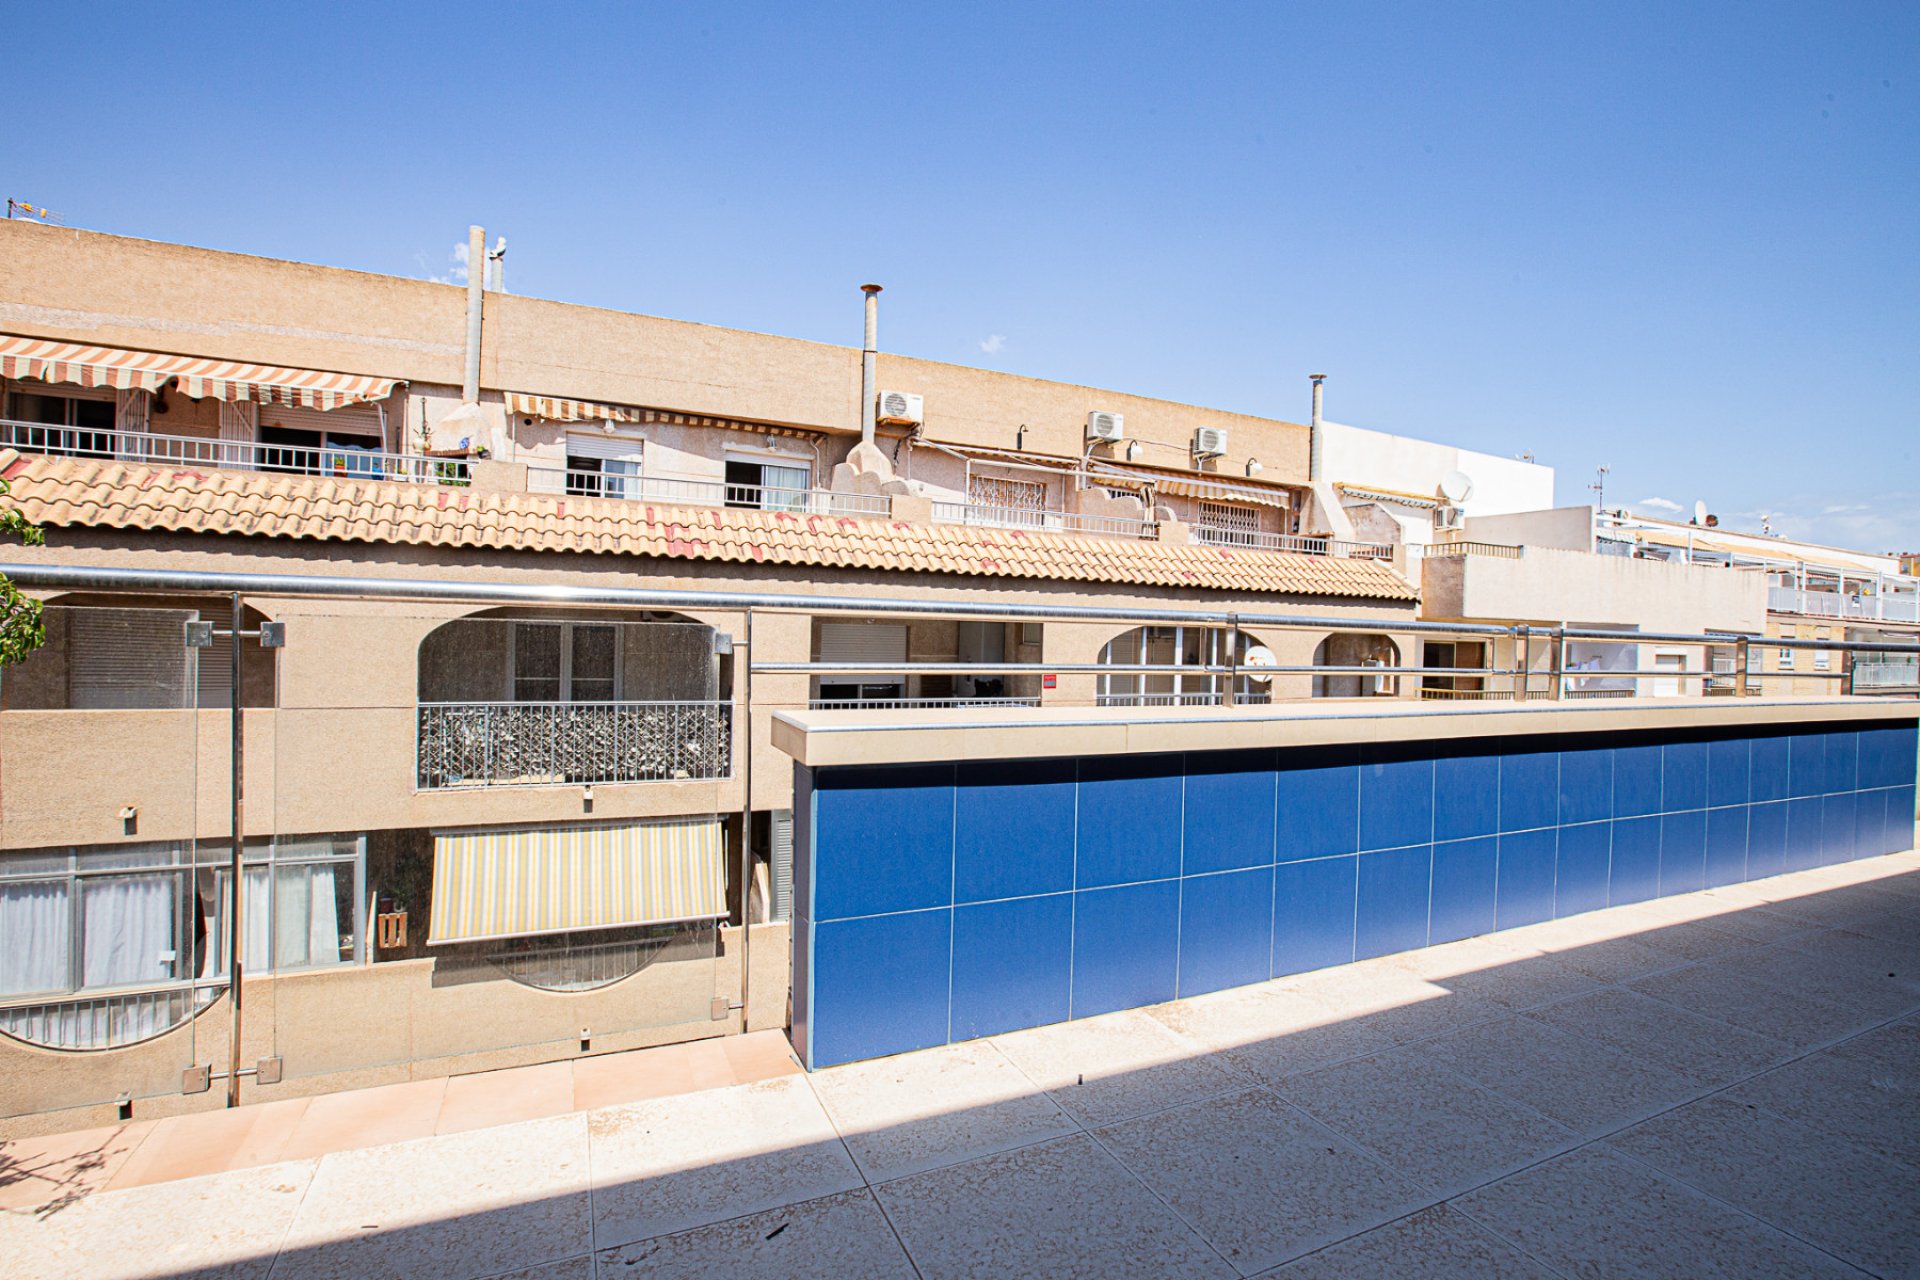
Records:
x=558, y=409
x=515, y=884
x=200, y=378
x=1187, y=485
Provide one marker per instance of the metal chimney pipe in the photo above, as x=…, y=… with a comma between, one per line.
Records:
x=476, y=283
x=869, y=360
x=1313, y=437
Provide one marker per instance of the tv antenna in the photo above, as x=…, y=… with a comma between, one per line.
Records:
x=1599, y=486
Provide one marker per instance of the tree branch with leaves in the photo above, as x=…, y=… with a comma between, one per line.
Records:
x=21, y=630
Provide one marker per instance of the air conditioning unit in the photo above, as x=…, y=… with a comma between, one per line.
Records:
x=1110, y=427
x=1209, y=442
x=1445, y=517
x=899, y=409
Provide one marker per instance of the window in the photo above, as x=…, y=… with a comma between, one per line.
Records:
x=603, y=466
x=1822, y=661
x=1175, y=648
x=769, y=486
x=74, y=421
x=1222, y=524
x=1786, y=659
x=993, y=500
x=1448, y=655
x=565, y=662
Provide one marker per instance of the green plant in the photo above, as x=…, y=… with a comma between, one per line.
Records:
x=21, y=631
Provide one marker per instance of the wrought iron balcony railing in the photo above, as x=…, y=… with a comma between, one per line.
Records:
x=530, y=744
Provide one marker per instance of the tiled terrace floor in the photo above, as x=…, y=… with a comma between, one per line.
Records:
x=1721, y=1084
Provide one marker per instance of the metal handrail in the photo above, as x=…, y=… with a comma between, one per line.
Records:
x=577, y=482
x=1297, y=543
x=1498, y=550
x=334, y=461
x=1040, y=521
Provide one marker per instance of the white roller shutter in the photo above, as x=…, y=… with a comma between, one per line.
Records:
x=354, y=420
x=781, y=864
x=863, y=642
x=620, y=448
x=127, y=658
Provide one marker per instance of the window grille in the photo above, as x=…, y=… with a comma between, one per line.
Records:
x=1231, y=525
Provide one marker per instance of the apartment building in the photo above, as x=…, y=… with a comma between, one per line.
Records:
x=477, y=833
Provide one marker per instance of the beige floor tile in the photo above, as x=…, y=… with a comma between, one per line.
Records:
x=1260, y=1182
x=838, y=1237
x=1723, y=990
x=1593, y=1215
x=1705, y=1051
x=1116, y=1066
x=1517, y=980
x=1799, y=965
x=1580, y=1083
x=1064, y=1210
x=673, y=1164
x=44, y=1175
x=580, y=1268
x=506, y=1097
x=1869, y=1098
x=454, y=1207
x=1429, y=1124
x=1849, y=1201
x=1434, y=1244
x=918, y=1111
x=1394, y=1002
x=365, y=1118
x=1266, y=1033
x=612, y=1079
x=228, y=1225
x=1902, y=926
x=759, y=1055
x=192, y=1146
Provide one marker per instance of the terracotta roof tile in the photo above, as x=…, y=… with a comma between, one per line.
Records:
x=122, y=495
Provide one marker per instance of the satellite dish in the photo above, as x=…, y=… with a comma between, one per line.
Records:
x=1255, y=658
x=1700, y=512
x=1456, y=487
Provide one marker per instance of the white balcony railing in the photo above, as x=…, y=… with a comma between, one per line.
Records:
x=526, y=744
x=914, y=704
x=1887, y=607
x=704, y=493
x=992, y=517
x=1298, y=544
x=1886, y=675
x=342, y=462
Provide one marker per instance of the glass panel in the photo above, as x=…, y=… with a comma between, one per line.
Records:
x=593, y=663
x=36, y=936
x=536, y=662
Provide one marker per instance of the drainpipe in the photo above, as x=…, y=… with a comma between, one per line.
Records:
x=1313, y=438
x=476, y=284
x=869, y=358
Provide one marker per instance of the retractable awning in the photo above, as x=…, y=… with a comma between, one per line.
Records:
x=1187, y=485
x=128, y=370
x=515, y=884
x=560, y=409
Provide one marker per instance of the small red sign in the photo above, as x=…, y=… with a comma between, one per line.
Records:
x=1049, y=682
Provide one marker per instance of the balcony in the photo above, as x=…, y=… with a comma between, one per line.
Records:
x=531, y=744
x=703, y=493
x=1000, y=517
x=233, y=455
x=1887, y=607
x=914, y=704
x=1886, y=677
x=1294, y=543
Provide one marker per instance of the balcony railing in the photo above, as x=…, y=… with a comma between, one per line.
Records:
x=1886, y=675
x=1215, y=699
x=530, y=744
x=703, y=493
x=233, y=455
x=991, y=517
x=1495, y=550
x=1890, y=607
x=914, y=704
x=1298, y=544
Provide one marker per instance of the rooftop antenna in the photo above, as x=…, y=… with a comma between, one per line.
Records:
x=1599, y=486
x=24, y=210
x=497, y=265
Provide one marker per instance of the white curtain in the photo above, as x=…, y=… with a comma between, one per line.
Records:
x=126, y=937
x=35, y=937
x=308, y=916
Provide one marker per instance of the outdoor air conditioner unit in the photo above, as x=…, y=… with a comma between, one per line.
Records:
x=1446, y=517
x=899, y=409
x=1110, y=427
x=1209, y=442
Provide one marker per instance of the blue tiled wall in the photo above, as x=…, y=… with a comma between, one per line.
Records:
x=942, y=902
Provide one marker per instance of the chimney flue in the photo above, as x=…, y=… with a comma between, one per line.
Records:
x=869, y=359
x=1313, y=436
x=476, y=282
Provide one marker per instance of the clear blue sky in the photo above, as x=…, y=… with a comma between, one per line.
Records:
x=1682, y=240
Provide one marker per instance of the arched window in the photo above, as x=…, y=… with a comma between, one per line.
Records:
x=1349, y=649
x=1185, y=652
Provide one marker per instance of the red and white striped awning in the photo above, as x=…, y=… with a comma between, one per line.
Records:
x=195, y=376
x=555, y=409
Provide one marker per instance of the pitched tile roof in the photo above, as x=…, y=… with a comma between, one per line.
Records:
x=114, y=494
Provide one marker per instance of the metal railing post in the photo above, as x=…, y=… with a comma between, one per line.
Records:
x=746, y=826
x=1559, y=663
x=1523, y=652
x=235, y=930
x=1740, y=660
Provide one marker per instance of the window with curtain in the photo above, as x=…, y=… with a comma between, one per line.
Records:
x=566, y=662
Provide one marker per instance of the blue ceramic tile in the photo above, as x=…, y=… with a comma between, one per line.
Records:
x=1770, y=756
x=1012, y=964
x=1129, y=819
x=1636, y=861
x=800, y=1012
x=883, y=840
x=1583, y=863
x=1396, y=803
x=1466, y=796
x=1870, y=824
x=1905, y=751
x=1729, y=770
x=879, y=985
x=1230, y=808
x=1683, y=852
x=1806, y=765
x=1463, y=888
x=1766, y=839
x=1636, y=781
x=1586, y=785
x=1899, y=836
x=1319, y=803
x=1013, y=833
x=1726, y=845
x=1125, y=946
x=1312, y=914
x=1529, y=790
x=1524, y=891
x=1843, y=761
x=1395, y=887
x=1683, y=776
x=1881, y=753
x=1839, y=825
x=1226, y=930
x=802, y=843
x=1806, y=832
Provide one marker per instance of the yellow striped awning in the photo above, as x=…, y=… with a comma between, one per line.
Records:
x=559, y=409
x=196, y=377
x=1194, y=485
x=514, y=884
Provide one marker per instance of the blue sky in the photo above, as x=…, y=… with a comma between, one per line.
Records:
x=1679, y=240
